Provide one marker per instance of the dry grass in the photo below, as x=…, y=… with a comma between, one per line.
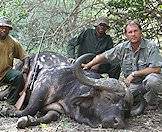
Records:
x=150, y=121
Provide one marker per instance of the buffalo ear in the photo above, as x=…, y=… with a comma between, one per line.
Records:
x=87, y=95
x=83, y=97
x=91, y=93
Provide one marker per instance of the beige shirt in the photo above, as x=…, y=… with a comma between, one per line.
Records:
x=10, y=48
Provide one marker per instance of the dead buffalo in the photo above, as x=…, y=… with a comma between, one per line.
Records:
x=61, y=87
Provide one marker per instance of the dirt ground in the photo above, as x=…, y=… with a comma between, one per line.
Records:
x=150, y=121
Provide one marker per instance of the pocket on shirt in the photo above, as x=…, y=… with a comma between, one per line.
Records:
x=142, y=64
x=10, y=54
x=127, y=67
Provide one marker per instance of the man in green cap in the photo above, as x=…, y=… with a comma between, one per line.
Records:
x=94, y=41
x=10, y=48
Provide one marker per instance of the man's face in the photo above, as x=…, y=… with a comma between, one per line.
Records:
x=133, y=33
x=101, y=28
x=4, y=31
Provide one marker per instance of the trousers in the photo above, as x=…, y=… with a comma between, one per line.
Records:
x=15, y=81
x=152, y=84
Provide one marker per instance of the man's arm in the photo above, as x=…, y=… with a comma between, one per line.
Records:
x=146, y=71
x=25, y=68
x=71, y=47
x=99, y=59
x=73, y=43
x=142, y=72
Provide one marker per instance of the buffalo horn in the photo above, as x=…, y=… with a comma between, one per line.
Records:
x=101, y=84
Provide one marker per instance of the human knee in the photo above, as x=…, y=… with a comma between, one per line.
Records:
x=18, y=80
x=151, y=81
x=14, y=75
x=18, y=77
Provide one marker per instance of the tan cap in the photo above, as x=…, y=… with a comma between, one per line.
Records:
x=4, y=21
x=101, y=20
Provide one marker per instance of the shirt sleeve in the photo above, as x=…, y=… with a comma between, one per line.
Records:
x=19, y=52
x=155, y=59
x=73, y=43
x=115, y=54
x=110, y=43
x=71, y=47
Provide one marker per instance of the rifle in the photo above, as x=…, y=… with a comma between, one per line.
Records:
x=30, y=78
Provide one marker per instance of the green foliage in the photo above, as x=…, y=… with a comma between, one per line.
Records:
x=63, y=19
x=160, y=7
x=13, y=8
x=127, y=4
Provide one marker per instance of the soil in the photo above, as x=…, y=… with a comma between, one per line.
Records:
x=150, y=121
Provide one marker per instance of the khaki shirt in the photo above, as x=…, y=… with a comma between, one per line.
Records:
x=10, y=48
x=148, y=55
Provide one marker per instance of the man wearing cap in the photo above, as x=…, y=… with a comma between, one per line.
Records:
x=94, y=41
x=10, y=48
x=141, y=63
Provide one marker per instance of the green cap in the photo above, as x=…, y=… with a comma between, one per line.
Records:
x=101, y=20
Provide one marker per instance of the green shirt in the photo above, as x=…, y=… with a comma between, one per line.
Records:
x=148, y=55
x=88, y=42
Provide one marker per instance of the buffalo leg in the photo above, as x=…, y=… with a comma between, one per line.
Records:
x=31, y=121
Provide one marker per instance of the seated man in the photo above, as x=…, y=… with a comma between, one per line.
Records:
x=10, y=48
x=95, y=41
x=141, y=62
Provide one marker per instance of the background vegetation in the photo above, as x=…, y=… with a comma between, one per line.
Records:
x=63, y=19
x=60, y=20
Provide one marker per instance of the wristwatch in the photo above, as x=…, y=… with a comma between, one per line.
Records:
x=134, y=74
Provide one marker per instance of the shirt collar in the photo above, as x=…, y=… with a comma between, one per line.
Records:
x=142, y=45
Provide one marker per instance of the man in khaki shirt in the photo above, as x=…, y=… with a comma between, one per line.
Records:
x=10, y=48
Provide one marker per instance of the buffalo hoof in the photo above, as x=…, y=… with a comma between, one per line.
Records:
x=26, y=121
x=22, y=122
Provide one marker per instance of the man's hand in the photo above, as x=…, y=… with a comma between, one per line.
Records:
x=25, y=69
x=89, y=66
x=71, y=60
x=84, y=66
x=129, y=79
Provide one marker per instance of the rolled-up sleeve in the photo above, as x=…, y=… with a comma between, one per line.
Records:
x=114, y=54
x=155, y=59
x=19, y=52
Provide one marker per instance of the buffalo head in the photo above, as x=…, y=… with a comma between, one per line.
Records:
x=111, y=102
